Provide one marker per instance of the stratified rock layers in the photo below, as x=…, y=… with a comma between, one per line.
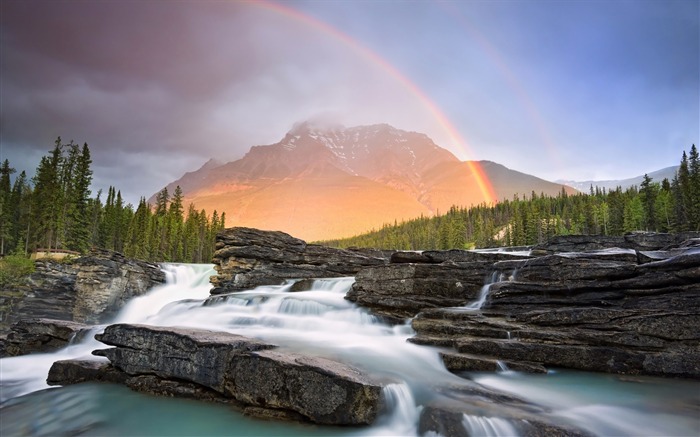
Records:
x=616, y=311
x=246, y=258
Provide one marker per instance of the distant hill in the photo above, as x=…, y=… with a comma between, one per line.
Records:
x=657, y=176
x=330, y=182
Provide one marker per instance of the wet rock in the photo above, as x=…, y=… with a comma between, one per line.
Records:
x=323, y=390
x=605, y=310
x=194, y=355
x=75, y=371
x=106, y=280
x=402, y=290
x=451, y=417
x=241, y=370
x=88, y=289
x=42, y=335
x=246, y=258
x=635, y=241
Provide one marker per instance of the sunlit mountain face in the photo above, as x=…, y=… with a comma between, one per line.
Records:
x=323, y=182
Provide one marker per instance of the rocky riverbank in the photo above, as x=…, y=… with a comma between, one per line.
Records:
x=628, y=304
x=88, y=290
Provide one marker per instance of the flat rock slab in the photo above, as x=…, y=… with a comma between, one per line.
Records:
x=243, y=370
x=194, y=355
x=42, y=335
x=327, y=391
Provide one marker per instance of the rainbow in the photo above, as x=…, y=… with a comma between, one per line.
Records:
x=482, y=181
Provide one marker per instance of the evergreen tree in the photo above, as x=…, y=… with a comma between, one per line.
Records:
x=80, y=213
x=648, y=191
x=6, y=210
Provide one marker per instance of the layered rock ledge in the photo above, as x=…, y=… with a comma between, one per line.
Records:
x=610, y=310
x=246, y=258
x=224, y=367
x=89, y=289
x=42, y=335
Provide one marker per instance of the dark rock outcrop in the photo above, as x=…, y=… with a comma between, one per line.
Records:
x=88, y=289
x=42, y=335
x=601, y=311
x=246, y=258
x=225, y=367
x=401, y=290
x=638, y=241
x=106, y=280
x=49, y=292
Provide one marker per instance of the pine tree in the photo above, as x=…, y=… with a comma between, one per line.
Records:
x=693, y=189
x=6, y=207
x=648, y=192
x=47, y=200
x=80, y=213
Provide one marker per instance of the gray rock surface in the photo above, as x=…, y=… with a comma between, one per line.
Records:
x=218, y=365
x=600, y=311
x=246, y=258
x=41, y=335
x=401, y=290
x=106, y=280
x=88, y=289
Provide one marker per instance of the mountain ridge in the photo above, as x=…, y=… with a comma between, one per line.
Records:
x=322, y=182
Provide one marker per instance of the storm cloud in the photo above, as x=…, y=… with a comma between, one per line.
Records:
x=157, y=88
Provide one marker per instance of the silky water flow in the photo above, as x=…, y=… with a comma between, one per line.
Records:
x=320, y=322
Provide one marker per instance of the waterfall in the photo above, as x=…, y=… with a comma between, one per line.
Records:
x=487, y=426
x=317, y=321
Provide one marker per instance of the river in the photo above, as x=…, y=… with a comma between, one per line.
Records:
x=320, y=322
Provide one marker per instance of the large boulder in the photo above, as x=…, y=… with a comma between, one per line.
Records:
x=246, y=258
x=218, y=365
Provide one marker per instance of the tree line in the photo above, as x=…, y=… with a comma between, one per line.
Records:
x=55, y=210
x=665, y=206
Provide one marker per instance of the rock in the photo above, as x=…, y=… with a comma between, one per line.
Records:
x=241, y=370
x=65, y=372
x=402, y=290
x=246, y=258
x=42, y=335
x=582, y=311
x=482, y=416
x=106, y=280
x=47, y=293
x=456, y=362
x=88, y=289
x=458, y=255
x=639, y=241
x=325, y=391
x=194, y=355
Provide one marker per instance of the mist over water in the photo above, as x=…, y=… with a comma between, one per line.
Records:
x=319, y=322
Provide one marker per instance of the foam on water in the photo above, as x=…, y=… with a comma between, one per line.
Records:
x=321, y=322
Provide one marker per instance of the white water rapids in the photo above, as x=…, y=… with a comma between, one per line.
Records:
x=320, y=322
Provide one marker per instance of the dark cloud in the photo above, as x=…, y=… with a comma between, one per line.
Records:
x=157, y=88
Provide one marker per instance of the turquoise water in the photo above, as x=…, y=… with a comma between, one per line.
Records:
x=320, y=322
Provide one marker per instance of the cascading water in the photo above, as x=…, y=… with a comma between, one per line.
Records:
x=320, y=322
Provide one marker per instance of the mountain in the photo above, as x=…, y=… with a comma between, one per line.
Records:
x=323, y=182
x=657, y=176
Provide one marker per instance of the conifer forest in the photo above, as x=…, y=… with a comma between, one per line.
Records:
x=55, y=209
x=659, y=206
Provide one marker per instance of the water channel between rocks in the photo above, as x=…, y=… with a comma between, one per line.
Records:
x=321, y=322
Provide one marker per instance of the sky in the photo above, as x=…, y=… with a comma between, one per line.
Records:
x=560, y=89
